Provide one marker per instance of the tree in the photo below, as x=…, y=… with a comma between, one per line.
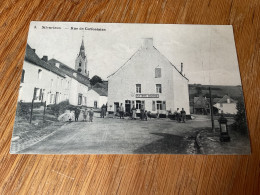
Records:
x=95, y=79
x=240, y=118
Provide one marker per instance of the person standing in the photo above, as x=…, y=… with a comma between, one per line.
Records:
x=183, y=115
x=91, y=114
x=85, y=114
x=103, y=111
x=77, y=112
x=142, y=112
x=121, y=111
x=178, y=115
x=133, y=110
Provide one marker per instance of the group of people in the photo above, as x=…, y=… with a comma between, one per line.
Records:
x=85, y=113
x=180, y=115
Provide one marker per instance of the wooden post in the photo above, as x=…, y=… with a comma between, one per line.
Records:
x=211, y=111
x=44, y=108
x=31, y=111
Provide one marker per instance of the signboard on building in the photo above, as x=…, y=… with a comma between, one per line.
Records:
x=147, y=96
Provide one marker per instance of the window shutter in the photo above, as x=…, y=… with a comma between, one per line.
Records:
x=22, y=79
x=143, y=103
x=164, y=105
x=40, y=96
x=34, y=93
x=153, y=107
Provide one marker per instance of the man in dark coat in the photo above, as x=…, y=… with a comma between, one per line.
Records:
x=183, y=115
x=77, y=112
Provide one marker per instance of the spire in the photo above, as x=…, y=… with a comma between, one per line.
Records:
x=82, y=48
x=82, y=44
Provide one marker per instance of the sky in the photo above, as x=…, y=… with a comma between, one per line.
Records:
x=208, y=52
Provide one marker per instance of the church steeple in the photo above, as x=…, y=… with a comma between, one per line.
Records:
x=81, y=60
x=82, y=48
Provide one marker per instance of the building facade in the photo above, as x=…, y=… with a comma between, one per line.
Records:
x=226, y=105
x=150, y=80
x=49, y=81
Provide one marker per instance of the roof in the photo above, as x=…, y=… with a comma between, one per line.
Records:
x=100, y=91
x=138, y=52
x=32, y=57
x=65, y=69
x=224, y=99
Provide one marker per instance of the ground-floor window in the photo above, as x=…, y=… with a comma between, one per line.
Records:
x=95, y=104
x=158, y=105
x=85, y=100
x=139, y=104
x=79, y=99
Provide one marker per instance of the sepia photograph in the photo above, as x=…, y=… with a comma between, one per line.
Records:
x=111, y=88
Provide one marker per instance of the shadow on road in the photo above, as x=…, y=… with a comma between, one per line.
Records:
x=169, y=144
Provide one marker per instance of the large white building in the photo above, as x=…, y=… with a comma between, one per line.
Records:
x=148, y=78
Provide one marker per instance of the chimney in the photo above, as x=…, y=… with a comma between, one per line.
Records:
x=57, y=64
x=34, y=50
x=148, y=43
x=181, y=68
x=45, y=58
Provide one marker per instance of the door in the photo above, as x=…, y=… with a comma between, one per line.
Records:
x=116, y=106
x=127, y=106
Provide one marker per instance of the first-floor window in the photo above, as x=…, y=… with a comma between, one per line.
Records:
x=79, y=99
x=158, y=88
x=138, y=88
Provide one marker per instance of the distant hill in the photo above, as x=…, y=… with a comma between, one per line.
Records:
x=217, y=91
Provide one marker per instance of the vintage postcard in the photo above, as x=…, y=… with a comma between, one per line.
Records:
x=109, y=88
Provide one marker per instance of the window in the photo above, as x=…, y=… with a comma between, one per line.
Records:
x=79, y=69
x=37, y=94
x=158, y=88
x=79, y=99
x=80, y=64
x=22, y=79
x=51, y=98
x=85, y=100
x=95, y=104
x=139, y=104
x=138, y=88
x=39, y=74
x=158, y=73
x=161, y=105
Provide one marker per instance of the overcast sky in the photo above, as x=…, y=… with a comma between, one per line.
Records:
x=207, y=51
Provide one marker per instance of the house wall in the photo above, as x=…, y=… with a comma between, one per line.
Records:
x=94, y=96
x=227, y=108
x=76, y=89
x=50, y=83
x=140, y=69
x=53, y=86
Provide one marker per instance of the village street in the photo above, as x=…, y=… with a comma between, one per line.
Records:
x=112, y=135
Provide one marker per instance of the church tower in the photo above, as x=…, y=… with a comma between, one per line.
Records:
x=81, y=60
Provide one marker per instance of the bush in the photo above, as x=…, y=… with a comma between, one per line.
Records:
x=59, y=108
x=23, y=109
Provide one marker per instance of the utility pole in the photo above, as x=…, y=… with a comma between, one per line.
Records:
x=211, y=111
